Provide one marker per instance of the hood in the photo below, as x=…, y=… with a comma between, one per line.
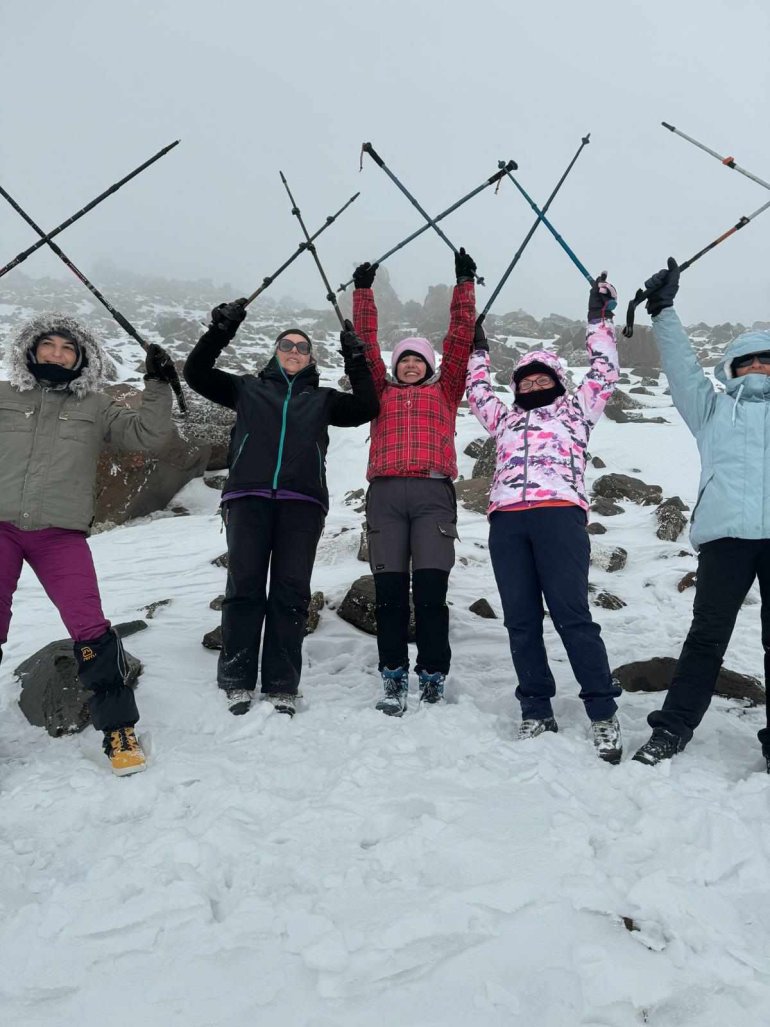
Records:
x=741, y=346
x=93, y=374
x=542, y=356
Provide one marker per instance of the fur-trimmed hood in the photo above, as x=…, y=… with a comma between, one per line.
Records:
x=96, y=365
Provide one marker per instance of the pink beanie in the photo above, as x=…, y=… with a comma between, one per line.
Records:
x=416, y=345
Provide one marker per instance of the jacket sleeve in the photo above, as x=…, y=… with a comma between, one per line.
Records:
x=365, y=324
x=205, y=379
x=149, y=428
x=597, y=386
x=482, y=400
x=347, y=411
x=458, y=342
x=693, y=395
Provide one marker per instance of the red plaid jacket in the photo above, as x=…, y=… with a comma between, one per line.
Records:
x=414, y=433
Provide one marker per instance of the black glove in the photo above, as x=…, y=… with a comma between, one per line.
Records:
x=662, y=287
x=602, y=299
x=160, y=367
x=363, y=276
x=480, y=338
x=351, y=346
x=465, y=266
x=227, y=316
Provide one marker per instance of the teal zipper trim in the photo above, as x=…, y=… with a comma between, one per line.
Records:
x=283, y=430
x=240, y=450
x=320, y=464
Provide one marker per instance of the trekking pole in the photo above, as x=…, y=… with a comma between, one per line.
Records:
x=310, y=247
x=729, y=162
x=531, y=232
x=300, y=249
x=122, y=321
x=642, y=295
x=510, y=166
x=368, y=148
x=581, y=267
x=19, y=258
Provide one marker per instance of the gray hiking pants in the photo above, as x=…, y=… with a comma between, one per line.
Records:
x=411, y=519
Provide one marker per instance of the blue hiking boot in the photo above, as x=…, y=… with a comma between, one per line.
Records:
x=396, y=688
x=431, y=686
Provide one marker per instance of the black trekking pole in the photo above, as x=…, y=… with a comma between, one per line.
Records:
x=581, y=267
x=122, y=321
x=531, y=232
x=729, y=162
x=368, y=148
x=642, y=295
x=310, y=247
x=19, y=258
x=510, y=166
x=300, y=249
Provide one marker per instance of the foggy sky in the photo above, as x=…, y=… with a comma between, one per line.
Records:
x=443, y=90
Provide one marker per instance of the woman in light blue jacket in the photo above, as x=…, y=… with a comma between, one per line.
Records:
x=730, y=525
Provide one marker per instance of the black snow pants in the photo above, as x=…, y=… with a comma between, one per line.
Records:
x=727, y=568
x=279, y=536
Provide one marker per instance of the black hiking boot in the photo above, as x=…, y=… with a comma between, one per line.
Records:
x=661, y=746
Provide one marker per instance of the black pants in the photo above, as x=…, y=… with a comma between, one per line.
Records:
x=546, y=552
x=411, y=523
x=279, y=535
x=727, y=568
x=102, y=669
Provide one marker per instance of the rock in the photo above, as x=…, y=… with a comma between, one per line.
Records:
x=216, y=482
x=618, y=405
x=649, y=374
x=623, y=486
x=357, y=499
x=208, y=424
x=654, y=675
x=474, y=494
x=150, y=611
x=640, y=390
x=610, y=559
x=482, y=609
x=485, y=462
x=595, y=528
x=605, y=507
x=220, y=561
x=671, y=519
x=363, y=546
x=359, y=607
x=344, y=384
x=129, y=627
x=314, y=612
x=51, y=695
x=608, y=601
x=688, y=581
x=597, y=462
x=213, y=639
x=216, y=604
x=473, y=449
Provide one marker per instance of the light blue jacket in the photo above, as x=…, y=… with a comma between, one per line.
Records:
x=732, y=429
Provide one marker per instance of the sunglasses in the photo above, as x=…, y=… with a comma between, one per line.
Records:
x=748, y=360
x=543, y=381
x=286, y=346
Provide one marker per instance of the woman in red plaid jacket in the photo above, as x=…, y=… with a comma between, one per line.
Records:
x=411, y=510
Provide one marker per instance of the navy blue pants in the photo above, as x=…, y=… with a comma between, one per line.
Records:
x=545, y=553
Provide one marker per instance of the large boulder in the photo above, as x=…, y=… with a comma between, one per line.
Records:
x=51, y=694
x=671, y=519
x=359, y=607
x=474, y=494
x=623, y=486
x=208, y=424
x=486, y=460
x=136, y=484
x=655, y=675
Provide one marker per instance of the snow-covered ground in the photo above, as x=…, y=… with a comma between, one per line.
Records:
x=344, y=868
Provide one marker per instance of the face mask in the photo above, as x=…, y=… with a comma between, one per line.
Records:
x=53, y=374
x=539, y=397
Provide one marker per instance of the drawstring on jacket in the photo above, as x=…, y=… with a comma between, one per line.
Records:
x=741, y=387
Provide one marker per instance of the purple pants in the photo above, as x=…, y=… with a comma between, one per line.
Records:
x=64, y=566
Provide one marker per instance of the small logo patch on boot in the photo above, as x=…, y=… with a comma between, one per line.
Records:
x=87, y=653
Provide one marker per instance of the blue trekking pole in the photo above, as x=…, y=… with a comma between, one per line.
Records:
x=541, y=217
x=531, y=232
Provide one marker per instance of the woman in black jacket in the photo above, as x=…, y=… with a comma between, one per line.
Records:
x=275, y=499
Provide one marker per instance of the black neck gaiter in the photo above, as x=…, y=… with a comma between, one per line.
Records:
x=539, y=397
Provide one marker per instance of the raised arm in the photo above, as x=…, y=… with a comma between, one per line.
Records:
x=365, y=323
x=459, y=339
x=199, y=371
x=693, y=394
x=483, y=401
x=603, y=372
x=148, y=429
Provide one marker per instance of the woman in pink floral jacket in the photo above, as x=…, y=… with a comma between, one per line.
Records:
x=537, y=519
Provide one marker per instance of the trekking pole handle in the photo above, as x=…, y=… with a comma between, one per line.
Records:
x=368, y=148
